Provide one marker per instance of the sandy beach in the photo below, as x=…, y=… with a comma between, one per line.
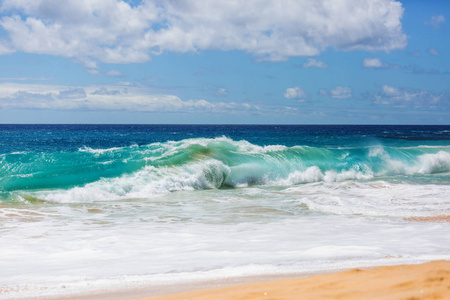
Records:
x=425, y=281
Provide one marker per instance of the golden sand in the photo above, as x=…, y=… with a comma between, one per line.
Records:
x=412, y=282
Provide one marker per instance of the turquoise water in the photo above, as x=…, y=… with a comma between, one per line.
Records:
x=136, y=205
x=51, y=157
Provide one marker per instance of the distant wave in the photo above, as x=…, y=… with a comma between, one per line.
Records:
x=158, y=168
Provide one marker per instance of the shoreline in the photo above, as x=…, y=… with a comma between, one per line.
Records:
x=429, y=280
x=148, y=291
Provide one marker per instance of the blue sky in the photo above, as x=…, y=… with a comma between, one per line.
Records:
x=255, y=61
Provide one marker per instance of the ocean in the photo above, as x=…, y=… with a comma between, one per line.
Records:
x=85, y=208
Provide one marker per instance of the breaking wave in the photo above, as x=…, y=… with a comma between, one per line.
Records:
x=159, y=168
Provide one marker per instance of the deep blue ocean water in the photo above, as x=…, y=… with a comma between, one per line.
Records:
x=91, y=207
x=54, y=138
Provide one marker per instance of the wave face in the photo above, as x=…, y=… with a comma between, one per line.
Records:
x=199, y=163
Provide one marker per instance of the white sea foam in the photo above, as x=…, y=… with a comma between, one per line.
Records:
x=427, y=163
x=147, y=183
x=118, y=246
x=433, y=163
x=212, y=234
x=375, y=199
x=98, y=151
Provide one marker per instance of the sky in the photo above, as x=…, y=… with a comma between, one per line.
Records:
x=225, y=61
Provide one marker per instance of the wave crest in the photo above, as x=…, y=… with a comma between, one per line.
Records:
x=159, y=168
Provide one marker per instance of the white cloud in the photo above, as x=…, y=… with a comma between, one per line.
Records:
x=323, y=92
x=315, y=63
x=89, y=63
x=93, y=72
x=105, y=91
x=25, y=78
x=436, y=21
x=221, y=92
x=114, y=73
x=23, y=96
x=390, y=91
x=378, y=64
x=73, y=93
x=112, y=31
x=294, y=93
x=403, y=95
x=341, y=92
x=372, y=63
x=406, y=97
x=434, y=52
x=4, y=48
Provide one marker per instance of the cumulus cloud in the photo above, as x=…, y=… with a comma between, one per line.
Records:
x=372, y=63
x=390, y=91
x=4, y=48
x=436, y=21
x=434, y=52
x=294, y=93
x=109, y=98
x=221, y=92
x=314, y=63
x=112, y=31
x=376, y=63
x=341, y=92
x=401, y=94
x=408, y=97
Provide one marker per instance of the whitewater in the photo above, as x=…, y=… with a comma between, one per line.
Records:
x=86, y=208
